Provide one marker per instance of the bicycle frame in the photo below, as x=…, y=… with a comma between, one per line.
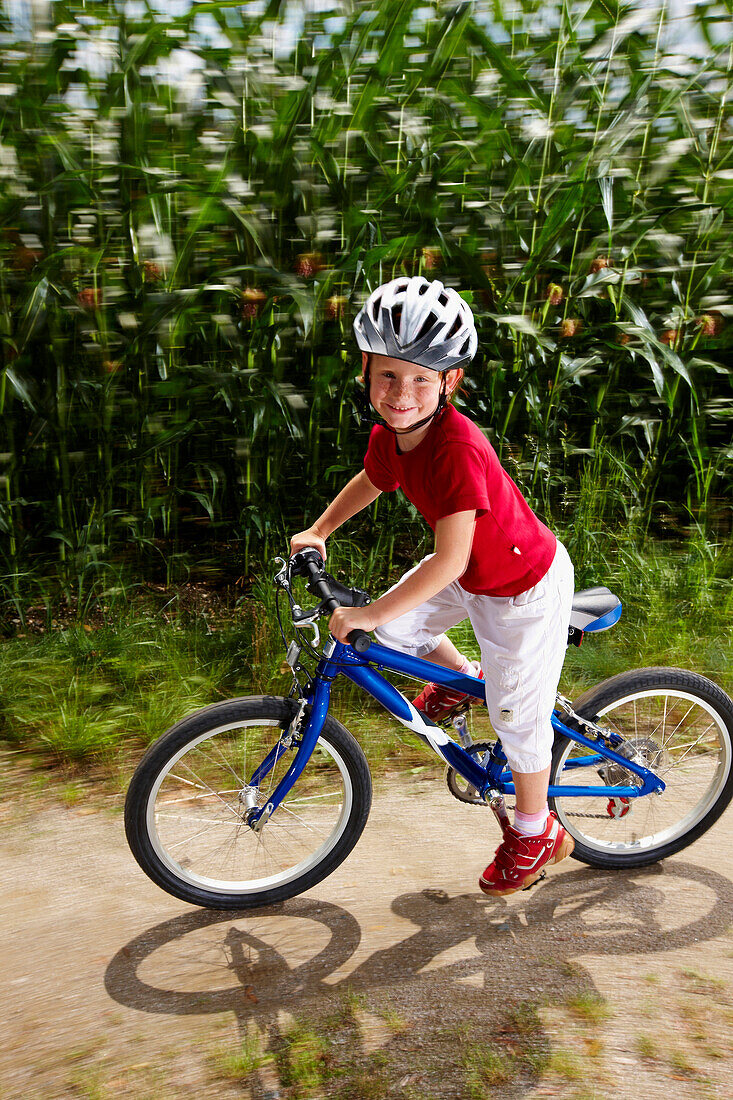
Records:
x=342, y=660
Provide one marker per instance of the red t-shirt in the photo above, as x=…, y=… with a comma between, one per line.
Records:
x=454, y=469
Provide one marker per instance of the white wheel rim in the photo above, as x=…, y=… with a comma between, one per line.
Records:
x=262, y=883
x=672, y=832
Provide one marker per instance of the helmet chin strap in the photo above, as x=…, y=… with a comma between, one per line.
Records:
x=365, y=407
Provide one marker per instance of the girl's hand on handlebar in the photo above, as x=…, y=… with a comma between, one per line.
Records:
x=310, y=537
x=346, y=619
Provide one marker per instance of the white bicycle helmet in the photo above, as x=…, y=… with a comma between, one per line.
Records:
x=418, y=321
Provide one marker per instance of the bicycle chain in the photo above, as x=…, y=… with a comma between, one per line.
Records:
x=596, y=817
x=484, y=746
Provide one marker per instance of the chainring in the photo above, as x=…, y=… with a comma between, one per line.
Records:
x=459, y=787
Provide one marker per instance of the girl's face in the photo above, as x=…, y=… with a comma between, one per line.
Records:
x=405, y=393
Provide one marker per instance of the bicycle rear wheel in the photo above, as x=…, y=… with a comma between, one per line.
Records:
x=681, y=725
x=185, y=809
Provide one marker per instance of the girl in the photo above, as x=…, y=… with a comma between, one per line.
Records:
x=494, y=562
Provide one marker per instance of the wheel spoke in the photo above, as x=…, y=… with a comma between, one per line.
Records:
x=161, y=814
x=682, y=737
x=302, y=821
x=220, y=755
x=196, y=820
x=674, y=731
x=208, y=787
x=195, y=797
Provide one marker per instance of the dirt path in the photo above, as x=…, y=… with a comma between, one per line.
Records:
x=395, y=976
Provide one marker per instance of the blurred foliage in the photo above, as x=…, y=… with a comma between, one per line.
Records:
x=194, y=203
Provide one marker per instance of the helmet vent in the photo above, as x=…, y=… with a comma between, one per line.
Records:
x=426, y=326
x=375, y=308
x=443, y=299
x=423, y=289
x=456, y=326
x=396, y=318
x=464, y=347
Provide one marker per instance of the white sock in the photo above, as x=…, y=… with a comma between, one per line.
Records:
x=531, y=824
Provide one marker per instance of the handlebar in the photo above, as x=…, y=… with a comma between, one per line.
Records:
x=359, y=640
x=333, y=595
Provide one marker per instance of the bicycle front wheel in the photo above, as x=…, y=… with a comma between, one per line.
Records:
x=186, y=807
x=681, y=726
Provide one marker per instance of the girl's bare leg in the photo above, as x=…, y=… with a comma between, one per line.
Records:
x=446, y=654
x=531, y=788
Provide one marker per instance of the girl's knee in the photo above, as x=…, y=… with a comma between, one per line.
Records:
x=406, y=641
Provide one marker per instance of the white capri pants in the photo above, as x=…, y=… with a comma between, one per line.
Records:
x=523, y=640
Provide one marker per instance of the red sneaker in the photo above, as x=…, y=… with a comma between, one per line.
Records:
x=437, y=702
x=519, y=859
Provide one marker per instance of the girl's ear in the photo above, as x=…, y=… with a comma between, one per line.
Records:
x=453, y=380
x=364, y=363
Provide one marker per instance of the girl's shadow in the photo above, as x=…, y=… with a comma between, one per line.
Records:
x=474, y=966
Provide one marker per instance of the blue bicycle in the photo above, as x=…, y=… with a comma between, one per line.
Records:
x=254, y=800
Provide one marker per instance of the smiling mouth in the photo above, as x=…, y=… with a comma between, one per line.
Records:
x=394, y=408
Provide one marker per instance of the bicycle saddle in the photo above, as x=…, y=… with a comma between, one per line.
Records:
x=595, y=609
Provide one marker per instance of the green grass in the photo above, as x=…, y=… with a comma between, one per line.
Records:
x=589, y=1007
x=395, y=1021
x=520, y=1051
x=524, y=1020
x=240, y=1064
x=702, y=983
x=84, y=690
x=88, y=1083
x=485, y=1069
x=647, y=1046
x=304, y=1061
x=72, y=794
x=74, y=693
x=567, y=1064
x=679, y=1060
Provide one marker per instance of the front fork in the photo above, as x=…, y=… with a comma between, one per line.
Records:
x=306, y=737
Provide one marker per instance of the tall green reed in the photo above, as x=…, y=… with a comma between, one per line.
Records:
x=192, y=213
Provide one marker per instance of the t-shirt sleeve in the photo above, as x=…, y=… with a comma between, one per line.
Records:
x=376, y=463
x=459, y=481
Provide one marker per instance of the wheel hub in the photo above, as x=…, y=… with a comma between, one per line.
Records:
x=642, y=750
x=248, y=797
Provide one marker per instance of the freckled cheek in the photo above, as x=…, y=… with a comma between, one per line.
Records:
x=393, y=395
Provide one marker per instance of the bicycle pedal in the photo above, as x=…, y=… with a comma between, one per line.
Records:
x=542, y=875
x=446, y=720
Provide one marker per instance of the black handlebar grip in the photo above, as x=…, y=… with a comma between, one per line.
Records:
x=359, y=640
x=309, y=556
x=312, y=561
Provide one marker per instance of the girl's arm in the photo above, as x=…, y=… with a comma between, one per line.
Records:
x=453, y=541
x=359, y=493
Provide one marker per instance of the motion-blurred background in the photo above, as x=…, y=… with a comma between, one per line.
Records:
x=195, y=199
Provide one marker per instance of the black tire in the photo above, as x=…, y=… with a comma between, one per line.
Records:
x=184, y=814
x=682, y=724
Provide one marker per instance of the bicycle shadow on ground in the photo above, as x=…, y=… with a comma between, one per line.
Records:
x=470, y=958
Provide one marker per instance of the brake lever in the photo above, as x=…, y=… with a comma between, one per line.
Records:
x=304, y=618
x=281, y=579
